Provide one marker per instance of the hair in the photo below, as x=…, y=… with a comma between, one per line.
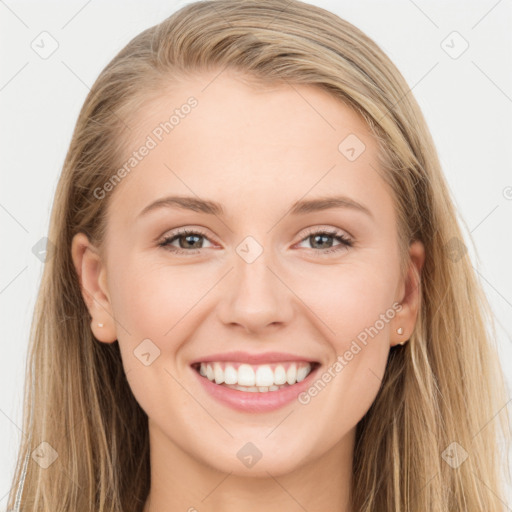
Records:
x=445, y=385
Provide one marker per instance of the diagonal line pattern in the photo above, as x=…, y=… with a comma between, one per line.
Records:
x=311, y=188
x=21, y=430
x=122, y=121
x=301, y=300
x=76, y=75
x=310, y=104
x=376, y=376
x=492, y=211
x=76, y=14
x=106, y=311
x=12, y=280
x=421, y=490
x=282, y=421
x=217, y=486
x=482, y=276
x=485, y=15
x=403, y=96
x=14, y=76
x=492, y=419
x=508, y=508
x=165, y=165
x=214, y=78
x=424, y=14
x=14, y=218
x=286, y=491
x=193, y=397
x=13, y=13
x=492, y=81
x=200, y=299
x=281, y=12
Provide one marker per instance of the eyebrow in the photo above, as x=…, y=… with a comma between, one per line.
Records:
x=298, y=208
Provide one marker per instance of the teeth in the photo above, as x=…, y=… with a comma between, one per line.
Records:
x=254, y=378
x=302, y=374
x=291, y=375
x=230, y=375
x=218, y=373
x=254, y=389
x=246, y=375
x=279, y=375
x=264, y=376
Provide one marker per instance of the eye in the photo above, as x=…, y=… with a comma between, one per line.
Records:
x=322, y=239
x=189, y=241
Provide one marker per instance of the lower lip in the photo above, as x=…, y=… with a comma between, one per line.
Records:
x=256, y=402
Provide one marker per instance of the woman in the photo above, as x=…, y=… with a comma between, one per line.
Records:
x=259, y=296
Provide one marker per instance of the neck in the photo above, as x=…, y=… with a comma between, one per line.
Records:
x=180, y=482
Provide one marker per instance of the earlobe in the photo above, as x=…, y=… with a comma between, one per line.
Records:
x=410, y=299
x=91, y=274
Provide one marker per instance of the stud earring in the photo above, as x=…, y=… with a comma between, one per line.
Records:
x=401, y=331
x=100, y=325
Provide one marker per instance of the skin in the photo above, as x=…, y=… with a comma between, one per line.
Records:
x=256, y=151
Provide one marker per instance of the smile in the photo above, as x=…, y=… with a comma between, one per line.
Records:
x=255, y=388
x=260, y=378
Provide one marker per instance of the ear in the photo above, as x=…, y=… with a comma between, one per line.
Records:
x=92, y=275
x=409, y=295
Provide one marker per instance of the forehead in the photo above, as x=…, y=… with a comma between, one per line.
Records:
x=247, y=144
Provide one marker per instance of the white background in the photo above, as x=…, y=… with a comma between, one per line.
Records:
x=467, y=102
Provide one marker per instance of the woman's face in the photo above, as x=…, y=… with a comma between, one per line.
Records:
x=257, y=275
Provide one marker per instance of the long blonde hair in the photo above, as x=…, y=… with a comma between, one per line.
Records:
x=445, y=386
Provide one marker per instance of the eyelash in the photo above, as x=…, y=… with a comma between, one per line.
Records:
x=345, y=242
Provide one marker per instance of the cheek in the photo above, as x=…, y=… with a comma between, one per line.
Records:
x=154, y=310
x=152, y=300
x=348, y=299
x=157, y=308
x=355, y=305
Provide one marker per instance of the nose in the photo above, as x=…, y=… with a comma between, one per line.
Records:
x=255, y=296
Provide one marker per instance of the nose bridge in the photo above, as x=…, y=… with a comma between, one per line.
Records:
x=256, y=296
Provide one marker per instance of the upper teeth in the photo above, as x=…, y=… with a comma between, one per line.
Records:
x=255, y=375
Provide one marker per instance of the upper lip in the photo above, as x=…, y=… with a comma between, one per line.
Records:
x=245, y=357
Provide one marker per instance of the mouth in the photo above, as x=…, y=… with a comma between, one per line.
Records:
x=255, y=378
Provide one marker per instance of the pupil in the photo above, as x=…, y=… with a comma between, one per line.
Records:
x=190, y=236
x=323, y=237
